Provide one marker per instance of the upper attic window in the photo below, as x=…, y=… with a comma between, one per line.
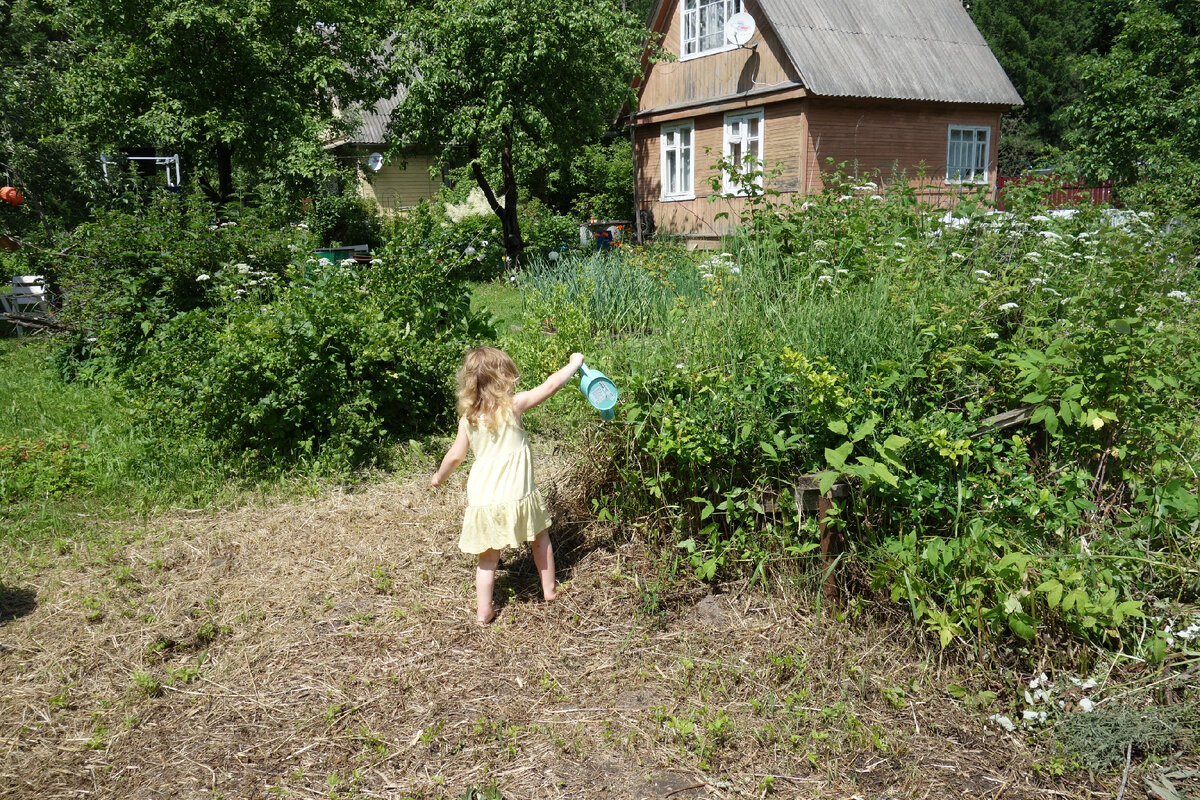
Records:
x=704, y=26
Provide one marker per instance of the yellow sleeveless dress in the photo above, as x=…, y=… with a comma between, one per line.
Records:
x=504, y=507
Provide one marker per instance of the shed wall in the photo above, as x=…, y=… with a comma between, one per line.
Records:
x=878, y=140
x=397, y=187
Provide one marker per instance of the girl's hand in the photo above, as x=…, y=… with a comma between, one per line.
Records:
x=576, y=360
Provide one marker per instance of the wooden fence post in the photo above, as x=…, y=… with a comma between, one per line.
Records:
x=833, y=544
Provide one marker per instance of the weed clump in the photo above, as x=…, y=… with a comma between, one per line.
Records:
x=1101, y=737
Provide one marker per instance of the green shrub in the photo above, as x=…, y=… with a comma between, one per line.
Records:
x=544, y=231
x=328, y=366
x=344, y=217
x=471, y=245
x=128, y=273
x=860, y=337
x=598, y=183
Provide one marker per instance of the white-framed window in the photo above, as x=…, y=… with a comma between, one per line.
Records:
x=677, y=161
x=967, y=154
x=703, y=26
x=743, y=150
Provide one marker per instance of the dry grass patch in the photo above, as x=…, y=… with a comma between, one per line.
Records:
x=327, y=649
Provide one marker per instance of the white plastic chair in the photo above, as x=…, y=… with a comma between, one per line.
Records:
x=28, y=296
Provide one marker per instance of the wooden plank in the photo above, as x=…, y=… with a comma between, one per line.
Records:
x=1006, y=419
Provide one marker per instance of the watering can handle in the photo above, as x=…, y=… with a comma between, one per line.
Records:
x=584, y=371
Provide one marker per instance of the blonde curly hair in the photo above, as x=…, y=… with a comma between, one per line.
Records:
x=486, y=381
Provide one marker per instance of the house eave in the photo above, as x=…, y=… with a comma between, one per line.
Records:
x=710, y=105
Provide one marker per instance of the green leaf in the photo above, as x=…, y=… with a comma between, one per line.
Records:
x=1131, y=608
x=956, y=691
x=1034, y=397
x=769, y=450
x=1019, y=560
x=1053, y=591
x=864, y=430
x=945, y=636
x=839, y=426
x=1076, y=599
x=1121, y=326
x=895, y=442
x=826, y=480
x=837, y=458
x=1023, y=625
x=884, y=474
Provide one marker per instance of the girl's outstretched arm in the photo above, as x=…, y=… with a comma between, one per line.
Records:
x=454, y=456
x=523, y=401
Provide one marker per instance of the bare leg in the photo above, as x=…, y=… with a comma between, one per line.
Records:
x=543, y=557
x=485, y=580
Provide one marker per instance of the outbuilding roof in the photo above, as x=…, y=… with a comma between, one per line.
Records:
x=372, y=130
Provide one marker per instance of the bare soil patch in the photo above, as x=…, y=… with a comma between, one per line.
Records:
x=327, y=649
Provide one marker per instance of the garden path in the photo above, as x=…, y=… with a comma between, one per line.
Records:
x=326, y=648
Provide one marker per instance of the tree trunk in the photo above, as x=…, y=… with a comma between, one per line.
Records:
x=513, y=243
x=509, y=225
x=224, y=173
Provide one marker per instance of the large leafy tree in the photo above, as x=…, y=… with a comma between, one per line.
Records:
x=1036, y=42
x=234, y=84
x=511, y=86
x=1138, y=118
x=36, y=154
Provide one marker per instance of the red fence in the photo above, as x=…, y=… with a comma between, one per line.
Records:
x=1060, y=194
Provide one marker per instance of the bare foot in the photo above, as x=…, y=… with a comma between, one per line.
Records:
x=484, y=619
x=552, y=596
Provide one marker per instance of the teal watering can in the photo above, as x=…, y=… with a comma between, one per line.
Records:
x=599, y=391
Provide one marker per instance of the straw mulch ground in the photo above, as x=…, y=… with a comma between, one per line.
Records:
x=327, y=649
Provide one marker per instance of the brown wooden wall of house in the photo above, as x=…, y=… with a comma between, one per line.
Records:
x=874, y=139
x=670, y=83
x=798, y=136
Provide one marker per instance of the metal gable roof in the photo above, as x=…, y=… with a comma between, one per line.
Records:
x=372, y=128
x=894, y=49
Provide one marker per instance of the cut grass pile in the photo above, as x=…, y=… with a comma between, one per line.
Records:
x=326, y=648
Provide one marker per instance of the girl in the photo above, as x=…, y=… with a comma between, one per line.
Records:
x=504, y=507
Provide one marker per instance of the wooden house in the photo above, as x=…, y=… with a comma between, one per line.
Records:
x=394, y=185
x=894, y=90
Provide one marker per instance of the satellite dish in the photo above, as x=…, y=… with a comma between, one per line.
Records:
x=375, y=161
x=739, y=28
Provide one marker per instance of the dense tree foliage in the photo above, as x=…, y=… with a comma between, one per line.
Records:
x=35, y=153
x=1138, y=119
x=231, y=83
x=1036, y=42
x=510, y=87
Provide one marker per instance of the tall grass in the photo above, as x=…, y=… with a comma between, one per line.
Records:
x=83, y=454
x=707, y=310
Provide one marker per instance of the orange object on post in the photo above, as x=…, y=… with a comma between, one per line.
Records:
x=10, y=195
